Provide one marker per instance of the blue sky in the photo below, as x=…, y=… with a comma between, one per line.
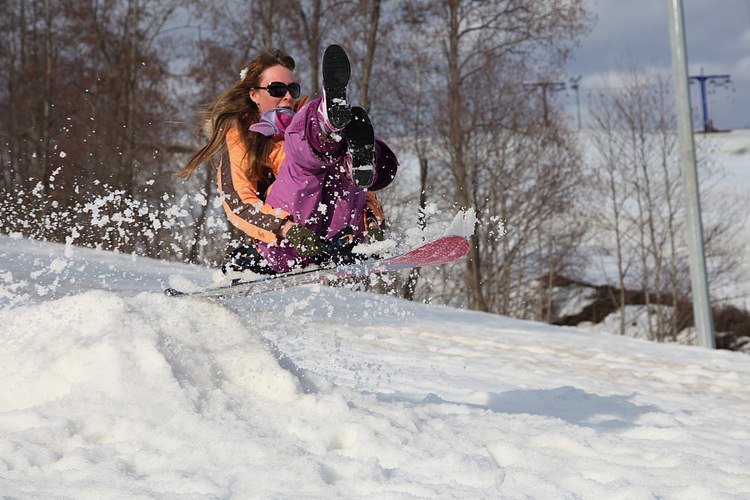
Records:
x=718, y=42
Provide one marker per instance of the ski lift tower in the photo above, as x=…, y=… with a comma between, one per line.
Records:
x=702, y=80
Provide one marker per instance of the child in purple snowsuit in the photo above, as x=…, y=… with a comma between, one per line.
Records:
x=330, y=149
x=316, y=187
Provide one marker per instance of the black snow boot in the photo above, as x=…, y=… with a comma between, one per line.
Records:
x=336, y=73
x=361, y=139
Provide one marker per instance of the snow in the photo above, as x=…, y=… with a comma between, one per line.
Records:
x=108, y=389
x=463, y=224
x=731, y=151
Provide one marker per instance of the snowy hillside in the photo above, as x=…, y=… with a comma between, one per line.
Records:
x=108, y=389
x=728, y=186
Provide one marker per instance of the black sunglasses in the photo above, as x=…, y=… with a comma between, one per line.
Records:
x=278, y=89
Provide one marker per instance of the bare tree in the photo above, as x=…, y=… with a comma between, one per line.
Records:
x=309, y=16
x=609, y=192
x=86, y=96
x=477, y=36
x=639, y=182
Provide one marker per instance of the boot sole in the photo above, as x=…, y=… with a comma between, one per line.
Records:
x=336, y=74
x=361, y=137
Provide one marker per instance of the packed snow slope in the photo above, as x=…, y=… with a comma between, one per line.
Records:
x=108, y=389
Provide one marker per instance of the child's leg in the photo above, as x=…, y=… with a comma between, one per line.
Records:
x=313, y=183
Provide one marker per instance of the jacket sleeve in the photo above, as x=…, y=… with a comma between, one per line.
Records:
x=240, y=197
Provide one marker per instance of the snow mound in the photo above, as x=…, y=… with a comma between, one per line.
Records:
x=323, y=392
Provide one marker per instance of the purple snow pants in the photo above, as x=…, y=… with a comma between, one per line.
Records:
x=315, y=187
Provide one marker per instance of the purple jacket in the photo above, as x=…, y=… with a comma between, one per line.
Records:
x=314, y=186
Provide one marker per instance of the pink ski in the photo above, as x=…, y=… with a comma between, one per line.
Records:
x=441, y=251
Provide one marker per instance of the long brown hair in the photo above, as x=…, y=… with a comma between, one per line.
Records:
x=234, y=107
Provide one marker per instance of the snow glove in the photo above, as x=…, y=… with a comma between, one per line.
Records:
x=307, y=243
x=374, y=231
x=337, y=249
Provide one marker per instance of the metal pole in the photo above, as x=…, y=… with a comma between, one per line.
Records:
x=701, y=303
x=704, y=104
x=575, y=84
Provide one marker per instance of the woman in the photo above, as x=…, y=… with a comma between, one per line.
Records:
x=287, y=170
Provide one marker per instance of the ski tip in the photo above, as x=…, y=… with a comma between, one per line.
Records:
x=171, y=292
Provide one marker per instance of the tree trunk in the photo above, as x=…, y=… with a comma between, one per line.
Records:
x=411, y=282
x=46, y=105
x=364, y=82
x=267, y=23
x=311, y=28
x=458, y=161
